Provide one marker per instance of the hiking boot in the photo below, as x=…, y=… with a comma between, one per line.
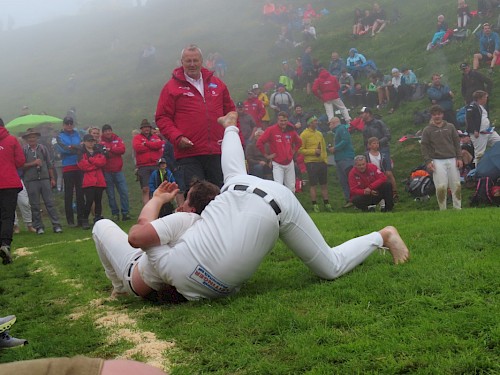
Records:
x=126, y=217
x=347, y=205
x=316, y=208
x=328, y=207
x=7, y=341
x=7, y=322
x=58, y=230
x=5, y=254
x=40, y=231
x=115, y=218
x=85, y=225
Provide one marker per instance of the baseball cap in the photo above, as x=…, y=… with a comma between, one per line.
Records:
x=68, y=120
x=395, y=70
x=463, y=65
x=255, y=86
x=162, y=160
x=280, y=85
x=365, y=110
x=88, y=138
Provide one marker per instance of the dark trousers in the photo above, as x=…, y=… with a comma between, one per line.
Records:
x=203, y=167
x=384, y=192
x=8, y=203
x=93, y=195
x=73, y=182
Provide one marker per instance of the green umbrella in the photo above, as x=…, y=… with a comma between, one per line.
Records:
x=22, y=123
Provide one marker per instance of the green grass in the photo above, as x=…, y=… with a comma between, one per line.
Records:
x=438, y=314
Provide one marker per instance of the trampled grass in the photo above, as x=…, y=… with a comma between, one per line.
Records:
x=436, y=314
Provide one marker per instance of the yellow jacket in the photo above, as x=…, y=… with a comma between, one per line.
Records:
x=265, y=100
x=310, y=141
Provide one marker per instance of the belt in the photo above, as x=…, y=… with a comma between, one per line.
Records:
x=129, y=275
x=261, y=194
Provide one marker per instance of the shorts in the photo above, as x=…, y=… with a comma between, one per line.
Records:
x=317, y=173
x=144, y=173
x=61, y=366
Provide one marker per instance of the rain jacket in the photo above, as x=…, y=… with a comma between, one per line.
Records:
x=326, y=86
x=116, y=148
x=11, y=158
x=92, y=165
x=147, y=150
x=282, y=143
x=371, y=178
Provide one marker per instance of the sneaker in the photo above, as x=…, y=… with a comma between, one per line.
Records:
x=347, y=205
x=7, y=341
x=7, y=322
x=115, y=218
x=5, y=254
x=40, y=231
x=316, y=208
x=371, y=208
x=16, y=229
x=125, y=217
x=328, y=207
x=58, y=230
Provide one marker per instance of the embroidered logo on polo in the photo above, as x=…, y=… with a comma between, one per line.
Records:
x=201, y=276
x=212, y=85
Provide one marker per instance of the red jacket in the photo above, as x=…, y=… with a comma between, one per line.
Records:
x=92, y=169
x=11, y=158
x=255, y=108
x=371, y=178
x=326, y=87
x=116, y=148
x=147, y=151
x=182, y=111
x=282, y=143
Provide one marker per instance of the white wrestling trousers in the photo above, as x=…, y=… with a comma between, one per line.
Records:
x=446, y=175
x=285, y=174
x=296, y=228
x=338, y=103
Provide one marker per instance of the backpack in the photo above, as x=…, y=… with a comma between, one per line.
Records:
x=461, y=117
x=420, y=183
x=482, y=195
x=421, y=117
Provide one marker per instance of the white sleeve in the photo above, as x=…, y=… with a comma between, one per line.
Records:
x=169, y=228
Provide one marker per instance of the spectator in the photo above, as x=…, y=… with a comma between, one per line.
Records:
x=283, y=143
x=439, y=36
x=299, y=118
x=396, y=89
x=148, y=149
x=473, y=81
x=346, y=82
x=441, y=95
x=11, y=159
x=368, y=186
x=358, y=95
x=220, y=65
x=379, y=19
x=336, y=65
x=343, y=152
x=479, y=125
x=357, y=64
x=281, y=100
x=39, y=179
x=258, y=164
x=357, y=26
x=374, y=156
x=23, y=202
x=91, y=162
x=308, y=69
x=113, y=174
x=57, y=162
x=255, y=108
x=287, y=75
x=247, y=123
x=326, y=88
x=262, y=96
x=366, y=22
x=314, y=150
x=162, y=173
x=442, y=155
x=409, y=82
x=463, y=14
x=68, y=144
x=489, y=48
x=373, y=98
x=187, y=113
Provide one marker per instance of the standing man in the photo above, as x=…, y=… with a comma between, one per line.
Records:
x=187, y=113
x=336, y=65
x=69, y=146
x=299, y=118
x=283, y=143
x=39, y=179
x=326, y=87
x=489, y=48
x=247, y=123
x=281, y=100
x=11, y=158
x=255, y=108
x=148, y=148
x=262, y=96
x=441, y=95
x=314, y=150
x=472, y=81
x=442, y=155
x=113, y=174
x=482, y=134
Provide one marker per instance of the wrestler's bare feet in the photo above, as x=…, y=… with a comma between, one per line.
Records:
x=395, y=244
x=115, y=294
x=229, y=119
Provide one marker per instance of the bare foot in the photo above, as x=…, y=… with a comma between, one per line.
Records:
x=395, y=244
x=115, y=294
x=229, y=119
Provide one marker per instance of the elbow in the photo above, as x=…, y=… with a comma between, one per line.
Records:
x=134, y=239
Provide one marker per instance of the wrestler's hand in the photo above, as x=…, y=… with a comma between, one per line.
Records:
x=166, y=192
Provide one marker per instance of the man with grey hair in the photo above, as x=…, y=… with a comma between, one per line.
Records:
x=187, y=112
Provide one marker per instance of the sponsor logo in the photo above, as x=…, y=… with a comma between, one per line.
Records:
x=187, y=94
x=185, y=88
x=212, y=85
x=201, y=276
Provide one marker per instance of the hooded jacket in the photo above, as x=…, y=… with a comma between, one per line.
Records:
x=92, y=165
x=183, y=111
x=326, y=86
x=11, y=158
x=116, y=148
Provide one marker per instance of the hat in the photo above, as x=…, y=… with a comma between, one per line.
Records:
x=255, y=86
x=311, y=119
x=145, y=123
x=463, y=65
x=68, y=120
x=394, y=70
x=30, y=132
x=280, y=85
x=366, y=110
x=88, y=138
x=162, y=160
x=240, y=105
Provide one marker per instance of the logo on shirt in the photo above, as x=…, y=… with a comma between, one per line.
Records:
x=187, y=94
x=185, y=88
x=212, y=85
x=201, y=276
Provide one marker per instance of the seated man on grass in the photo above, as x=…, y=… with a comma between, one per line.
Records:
x=213, y=255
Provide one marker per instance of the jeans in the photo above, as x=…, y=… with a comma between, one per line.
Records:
x=343, y=169
x=117, y=179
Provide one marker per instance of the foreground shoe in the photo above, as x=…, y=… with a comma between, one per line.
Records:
x=40, y=231
x=7, y=341
x=5, y=254
x=7, y=322
x=58, y=230
x=316, y=208
x=126, y=217
x=328, y=207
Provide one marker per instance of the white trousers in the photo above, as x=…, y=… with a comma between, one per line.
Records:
x=447, y=175
x=24, y=206
x=483, y=141
x=338, y=103
x=285, y=174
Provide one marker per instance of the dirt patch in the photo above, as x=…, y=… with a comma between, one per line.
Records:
x=23, y=252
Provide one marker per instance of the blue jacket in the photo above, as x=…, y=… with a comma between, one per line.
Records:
x=441, y=95
x=489, y=44
x=155, y=180
x=335, y=67
x=69, y=145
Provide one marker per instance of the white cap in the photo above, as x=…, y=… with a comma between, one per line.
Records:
x=255, y=86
